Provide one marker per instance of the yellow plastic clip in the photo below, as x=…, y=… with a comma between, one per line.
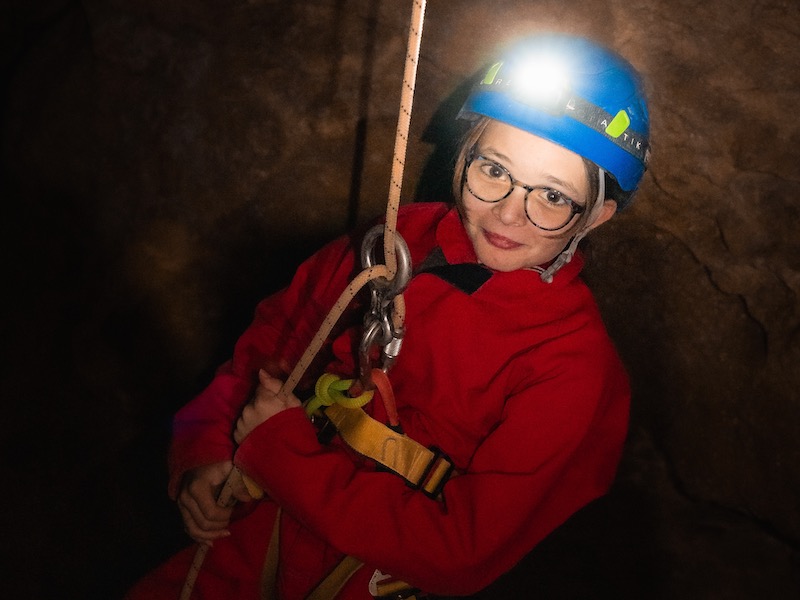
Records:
x=331, y=389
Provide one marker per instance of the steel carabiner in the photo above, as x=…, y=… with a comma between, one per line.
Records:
x=398, y=283
x=379, y=328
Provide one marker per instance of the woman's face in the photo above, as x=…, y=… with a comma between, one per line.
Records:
x=503, y=237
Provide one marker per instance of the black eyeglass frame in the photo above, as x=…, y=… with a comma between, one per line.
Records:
x=575, y=208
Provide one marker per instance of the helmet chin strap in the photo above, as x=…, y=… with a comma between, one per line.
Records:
x=567, y=254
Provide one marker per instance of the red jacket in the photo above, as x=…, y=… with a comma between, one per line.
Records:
x=514, y=379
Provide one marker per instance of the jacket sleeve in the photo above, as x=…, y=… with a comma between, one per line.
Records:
x=555, y=449
x=283, y=325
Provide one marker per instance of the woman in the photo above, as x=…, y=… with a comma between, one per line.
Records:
x=506, y=369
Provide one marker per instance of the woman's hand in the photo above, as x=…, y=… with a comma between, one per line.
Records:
x=204, y=520
x=267, y=402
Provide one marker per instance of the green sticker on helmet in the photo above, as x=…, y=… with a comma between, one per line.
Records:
x=491, y=73
x=618, y=124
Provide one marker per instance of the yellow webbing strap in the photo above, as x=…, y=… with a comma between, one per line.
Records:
x=269, y=574
x=396, y=589
x=420, y=466
x=334, y=582
x=329, y=587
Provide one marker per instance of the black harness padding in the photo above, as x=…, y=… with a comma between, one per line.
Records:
x=467, y=277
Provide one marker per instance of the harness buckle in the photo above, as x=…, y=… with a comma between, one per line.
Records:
x=435, y=475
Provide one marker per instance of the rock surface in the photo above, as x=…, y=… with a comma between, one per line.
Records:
x=167, y=164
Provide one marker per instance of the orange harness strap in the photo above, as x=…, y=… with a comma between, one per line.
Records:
x=422, y=468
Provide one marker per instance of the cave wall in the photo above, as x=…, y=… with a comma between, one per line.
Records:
x=164, y=165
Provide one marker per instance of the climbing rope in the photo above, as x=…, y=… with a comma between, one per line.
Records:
x=372, y=273
x=401, y=136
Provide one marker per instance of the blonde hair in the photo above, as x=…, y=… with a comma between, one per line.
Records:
x=470, y=140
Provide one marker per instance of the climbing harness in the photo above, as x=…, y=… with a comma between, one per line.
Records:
x=384, y=326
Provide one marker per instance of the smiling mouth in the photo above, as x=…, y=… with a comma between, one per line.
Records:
x=499, y=241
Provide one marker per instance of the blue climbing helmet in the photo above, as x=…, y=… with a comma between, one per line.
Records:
x=575, y=93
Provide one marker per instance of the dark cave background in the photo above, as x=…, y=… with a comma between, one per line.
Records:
x=164, y=165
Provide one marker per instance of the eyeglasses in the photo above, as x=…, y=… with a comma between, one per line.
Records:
x=545, y=207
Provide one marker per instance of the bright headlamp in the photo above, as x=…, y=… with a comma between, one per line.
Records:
x=542, y=82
